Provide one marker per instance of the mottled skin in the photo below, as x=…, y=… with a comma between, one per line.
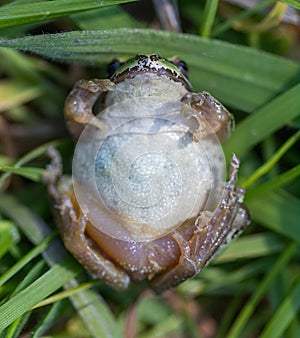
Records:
x=171, y=259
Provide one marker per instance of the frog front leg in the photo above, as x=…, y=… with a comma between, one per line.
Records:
x=78, y=108
x=72, y=224
x=212, y=117
x=212, y=231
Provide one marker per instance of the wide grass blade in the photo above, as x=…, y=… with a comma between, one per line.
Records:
x=38, y=290
x=19, y=14
x=93, y=310
x=278, y=212
x=25, y=259
x=239, y=76
x=251, y=246
x=274, y=115
x=293, y=3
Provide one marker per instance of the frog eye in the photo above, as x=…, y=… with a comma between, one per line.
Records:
x=113, y=66
x=181, y=65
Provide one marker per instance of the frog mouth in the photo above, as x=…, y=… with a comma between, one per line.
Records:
x=150, y=64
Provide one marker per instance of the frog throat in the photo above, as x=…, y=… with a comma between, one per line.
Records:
x=149, y=64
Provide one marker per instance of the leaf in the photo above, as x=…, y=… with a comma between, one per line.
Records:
x=269, y=164
x=33, y=174
x=249, y=308
x=208, y=19
x=284, y=315
x=293, y=3
x=221, y=28
x=16, y=306
x=279, y=212
x=239, y=76
x=25, y=259
x=30, y=156
x=19, y=14
x=91, y=307
x=255, y=128
x=8, y=236
x=257, y=245
x=96, y=314
x=277, y=182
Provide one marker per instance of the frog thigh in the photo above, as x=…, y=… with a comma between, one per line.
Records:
x=72, y=224
x=213, y=230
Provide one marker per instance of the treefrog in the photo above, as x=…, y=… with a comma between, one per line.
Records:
x=148, y=197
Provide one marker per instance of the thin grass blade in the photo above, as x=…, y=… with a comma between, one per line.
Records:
x=285, y=314
x=249, y=308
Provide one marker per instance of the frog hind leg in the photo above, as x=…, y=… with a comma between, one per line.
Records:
x=72, y=223
x=212, y=231
x=79, y=104
x=211, y=115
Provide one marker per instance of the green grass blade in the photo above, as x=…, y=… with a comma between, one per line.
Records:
x=267, y=166
x=208, y=19
x=19, y=14
x=29, y=157
x=33, y=174
x=27, y=258
x=47, y=321
x=284, y=315
x=243, y=15
x=34, y=273
x=91, y=307
x=251, y=246
x=274, y=115
x=293, y=3
x=14, y=331
x=278, y=212
x=229, y=315
x=275, y=183
x=239, y=76
x=249, y=308
x=95, y=314
x=66, y=293
x=214, y=280
x=31, y=225
x=23, y=301
x=8, y=236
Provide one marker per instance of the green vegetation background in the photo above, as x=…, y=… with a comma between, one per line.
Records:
x=250, y=62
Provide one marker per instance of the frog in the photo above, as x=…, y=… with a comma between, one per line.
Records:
x=148, y=198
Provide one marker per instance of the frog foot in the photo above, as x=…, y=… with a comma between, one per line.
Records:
x=211, y=115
